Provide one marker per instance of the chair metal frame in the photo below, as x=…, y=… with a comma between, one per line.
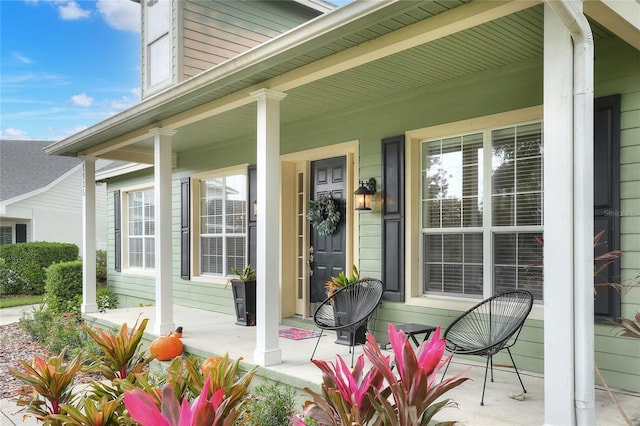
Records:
x=489, y=327
x=356, y=312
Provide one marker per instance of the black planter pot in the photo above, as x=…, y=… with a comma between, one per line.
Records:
x=244, y=298
x=341, y=309
x=344, y=336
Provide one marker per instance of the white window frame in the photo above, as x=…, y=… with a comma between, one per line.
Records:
x=3, y=230
x=126, y=266
x=413, y=235
x=196, y=180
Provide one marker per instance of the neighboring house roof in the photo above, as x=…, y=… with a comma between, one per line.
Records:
x=25, y=167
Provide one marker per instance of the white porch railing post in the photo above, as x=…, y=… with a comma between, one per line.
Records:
x=162, y=216
x=267, y=351
x=89, y=236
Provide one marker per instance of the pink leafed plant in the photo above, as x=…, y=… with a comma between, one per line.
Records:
x=204, y=411
x=410, y=395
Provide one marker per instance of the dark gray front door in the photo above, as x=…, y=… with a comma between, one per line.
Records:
x=328, y=252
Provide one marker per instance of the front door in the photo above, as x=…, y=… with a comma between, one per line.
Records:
x=327, y=252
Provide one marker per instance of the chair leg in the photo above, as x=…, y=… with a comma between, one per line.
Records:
x=317, y=341
x=484, y=385
x=447, y=367
x=491, y=363
x=516, y=368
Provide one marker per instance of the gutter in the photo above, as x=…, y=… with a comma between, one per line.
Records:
x=570, y=13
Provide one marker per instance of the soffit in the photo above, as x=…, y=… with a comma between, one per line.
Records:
x=510, y=41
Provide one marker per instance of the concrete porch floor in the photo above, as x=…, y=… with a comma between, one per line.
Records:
x=209, y=333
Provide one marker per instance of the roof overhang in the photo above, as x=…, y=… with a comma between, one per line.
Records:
x=329, y=47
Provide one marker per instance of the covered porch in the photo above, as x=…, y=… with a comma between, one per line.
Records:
x=208, y=333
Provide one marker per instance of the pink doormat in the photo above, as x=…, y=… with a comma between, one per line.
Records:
x=297, y=333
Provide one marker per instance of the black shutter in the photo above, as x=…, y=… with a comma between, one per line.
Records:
x=393, y=218
x=21, y=233
x=606, y=200
x=252, y=191
x=185, y=228
x=117, y=231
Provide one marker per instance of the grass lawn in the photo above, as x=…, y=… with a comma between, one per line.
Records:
x=11, y=301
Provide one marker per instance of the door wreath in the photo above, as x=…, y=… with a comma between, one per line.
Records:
x=323, y=214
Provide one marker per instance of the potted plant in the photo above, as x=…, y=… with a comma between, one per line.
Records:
x=332, y=286
x=244, y=295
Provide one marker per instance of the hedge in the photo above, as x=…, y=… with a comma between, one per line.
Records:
x=29, y=260
x=64, y=285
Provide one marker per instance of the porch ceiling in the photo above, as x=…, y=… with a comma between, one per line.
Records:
x=513, y=39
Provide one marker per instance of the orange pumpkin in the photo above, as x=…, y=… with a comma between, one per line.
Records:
x=178, y=332
x=166, y=348
x=210, y=364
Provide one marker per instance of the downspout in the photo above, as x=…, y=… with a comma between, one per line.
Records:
x=570, y=13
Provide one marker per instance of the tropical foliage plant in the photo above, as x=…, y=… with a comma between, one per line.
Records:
x=48, y=385
x=380, y=396
x=342, y=280
x=206, y=410
x=121, y=355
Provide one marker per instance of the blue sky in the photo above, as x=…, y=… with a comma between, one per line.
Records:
x=66, y=65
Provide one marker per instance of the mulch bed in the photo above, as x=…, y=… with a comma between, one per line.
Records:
x=17, y=344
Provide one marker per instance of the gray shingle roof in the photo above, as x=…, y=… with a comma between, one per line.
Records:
x=25, y=167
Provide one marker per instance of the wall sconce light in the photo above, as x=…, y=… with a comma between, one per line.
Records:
x=363, y=194
x=255, y=208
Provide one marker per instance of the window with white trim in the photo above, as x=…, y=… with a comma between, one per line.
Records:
x=223, y=224
x=482, y=212
x=141, y=229
x=6, y=235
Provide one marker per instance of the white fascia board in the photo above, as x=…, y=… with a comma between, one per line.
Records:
x=122, y=170
x=621, y=17
x=319, y=5
x=42, y=189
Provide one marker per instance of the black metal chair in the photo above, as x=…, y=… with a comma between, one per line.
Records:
x=489, y=327
x=348, y=309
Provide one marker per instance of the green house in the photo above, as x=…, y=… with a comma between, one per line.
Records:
x=489, y=128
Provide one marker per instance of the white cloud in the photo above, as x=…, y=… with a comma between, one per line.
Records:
x=16, y=134
x=21, y=58
x=136, y=92
x=81, y=100
x=120, y=14
x=71, y=11
x=123, y=103
x=74, y=130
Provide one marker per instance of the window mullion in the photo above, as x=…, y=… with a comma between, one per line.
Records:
x=487, y=217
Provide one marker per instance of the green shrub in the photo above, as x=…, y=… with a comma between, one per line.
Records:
x=101, y=267
x=106, y=299
x=11, y=283
x=273, y=404
x=29, y=260
x=63, y=285
x=56, y=331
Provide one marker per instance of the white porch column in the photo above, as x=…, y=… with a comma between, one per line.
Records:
x=267, y=351
x=162, y=209
x=89, y=236
x=558, y=223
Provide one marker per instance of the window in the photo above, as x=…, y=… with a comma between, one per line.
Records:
x=158, y=42
x=141, y=229
x=481, y=206
x=223, y=224
x=6, y=235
